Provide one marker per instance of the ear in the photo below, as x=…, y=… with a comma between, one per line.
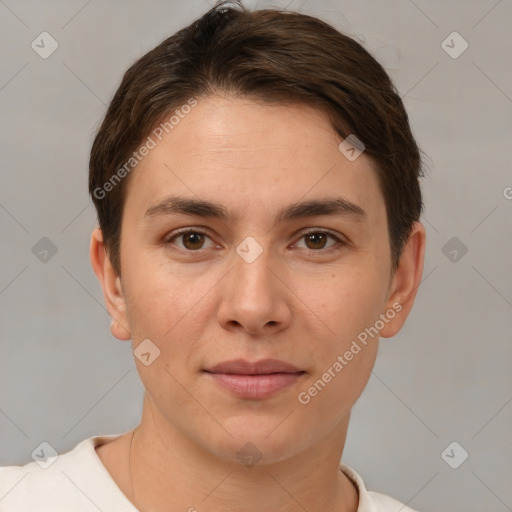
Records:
x=111, y=284
x=406, y=280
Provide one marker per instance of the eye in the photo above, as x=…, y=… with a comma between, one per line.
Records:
x=192, y=239
x=316, y=240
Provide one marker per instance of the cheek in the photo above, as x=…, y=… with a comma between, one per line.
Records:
x=331, y=393
x=346, y=307
x=170, y=309
x=162, y=298
x=344, y=353
x=343, y=302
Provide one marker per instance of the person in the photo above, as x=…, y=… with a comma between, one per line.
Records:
x=257, y=189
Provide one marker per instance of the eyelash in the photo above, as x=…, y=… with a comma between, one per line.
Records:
x=185, y=231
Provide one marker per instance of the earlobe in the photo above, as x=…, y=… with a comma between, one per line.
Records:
x=406, y=281
x=110, y=284
x=119, y=332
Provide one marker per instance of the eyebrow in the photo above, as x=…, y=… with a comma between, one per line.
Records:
x=337, y=206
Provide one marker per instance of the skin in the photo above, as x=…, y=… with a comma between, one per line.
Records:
x=300, y=301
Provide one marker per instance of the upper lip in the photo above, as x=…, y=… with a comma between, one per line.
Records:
x=243, y=367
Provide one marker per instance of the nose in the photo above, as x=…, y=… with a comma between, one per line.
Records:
x=254, y=296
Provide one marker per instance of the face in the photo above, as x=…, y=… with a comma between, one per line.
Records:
x=255, y=276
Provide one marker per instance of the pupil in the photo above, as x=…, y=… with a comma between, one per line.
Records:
x=316, y=238
x=193, y=239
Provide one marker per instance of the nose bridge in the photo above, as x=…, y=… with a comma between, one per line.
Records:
x=251, y=297
x=252, y=262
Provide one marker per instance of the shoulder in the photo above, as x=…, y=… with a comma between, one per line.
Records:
x=74, y=480
x=48, y=483
x=29, y=486
x=370, y=501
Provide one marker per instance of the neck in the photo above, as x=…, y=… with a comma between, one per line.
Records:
x=168, y=471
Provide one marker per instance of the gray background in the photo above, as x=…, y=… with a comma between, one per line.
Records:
x=446, y=377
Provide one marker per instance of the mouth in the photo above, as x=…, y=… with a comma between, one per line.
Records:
x=254, y=380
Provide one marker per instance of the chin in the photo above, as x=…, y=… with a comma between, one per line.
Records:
x=255, y=442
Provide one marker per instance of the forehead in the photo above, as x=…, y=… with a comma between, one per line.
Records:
x=239, y=150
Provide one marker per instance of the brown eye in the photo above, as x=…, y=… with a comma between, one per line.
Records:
x=317, y=240
x=191, y=240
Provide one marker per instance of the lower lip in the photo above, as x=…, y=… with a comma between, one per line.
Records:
x=255, y=386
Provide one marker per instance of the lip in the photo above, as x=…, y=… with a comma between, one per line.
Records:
x=255, y=380
x=243, y=367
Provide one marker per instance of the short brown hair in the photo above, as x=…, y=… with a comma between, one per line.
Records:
x=270, y=55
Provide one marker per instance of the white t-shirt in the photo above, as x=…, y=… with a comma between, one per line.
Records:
x=77, y=481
